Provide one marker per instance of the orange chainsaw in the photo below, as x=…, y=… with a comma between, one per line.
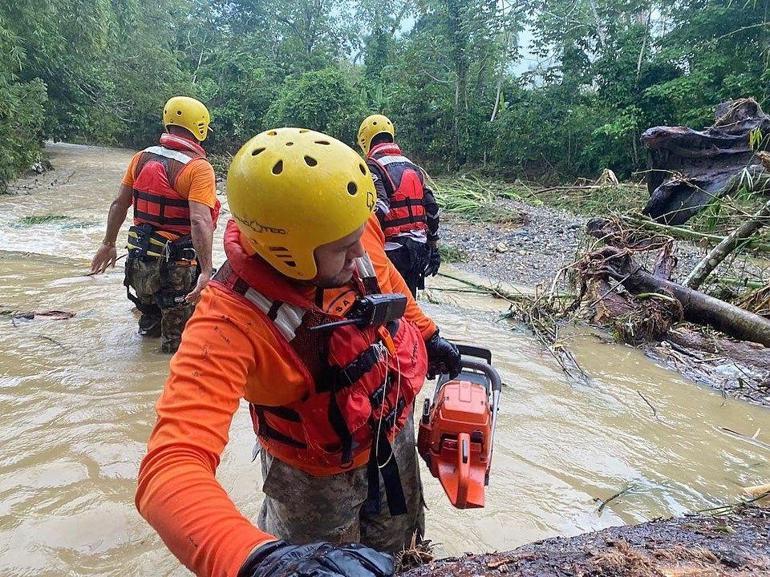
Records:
x=457, y=428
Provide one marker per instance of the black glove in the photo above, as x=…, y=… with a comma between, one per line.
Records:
x=434, y=262
x=443, y=357
x=280, y=559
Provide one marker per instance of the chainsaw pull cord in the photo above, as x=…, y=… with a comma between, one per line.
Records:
x=384, y=351
x=381, y=466
x=394, y=490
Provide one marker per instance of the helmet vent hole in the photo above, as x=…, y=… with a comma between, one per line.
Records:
x=362, y=168
x=289, y=144
x=278, y=167
x=256, y=151
x=324, y=142
x=272, y=133
x=374, y=123
x=310, y=161
x=179, y=113
x=303, y=130
x=352, y=188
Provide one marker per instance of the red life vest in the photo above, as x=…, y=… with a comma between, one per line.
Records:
x=156, y=201
x=407, y=207
x=363, y=381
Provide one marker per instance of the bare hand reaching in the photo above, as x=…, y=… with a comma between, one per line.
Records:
x=104, y=258
x=194, y=295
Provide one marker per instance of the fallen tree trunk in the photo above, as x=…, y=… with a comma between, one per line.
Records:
x=689, y=169
x=697, y=307
x=731, y=545
x=701, y=308
x=717, y=254
x=746, y=353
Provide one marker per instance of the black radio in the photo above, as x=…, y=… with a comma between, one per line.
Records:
x=371, y=311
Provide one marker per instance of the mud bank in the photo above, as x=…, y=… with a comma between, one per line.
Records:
x=737, y=544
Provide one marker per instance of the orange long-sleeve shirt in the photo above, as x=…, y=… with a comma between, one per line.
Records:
x=226, y=354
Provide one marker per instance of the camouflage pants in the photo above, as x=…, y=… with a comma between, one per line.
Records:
x=410, y=259
x=144, y=278
x=301, y=508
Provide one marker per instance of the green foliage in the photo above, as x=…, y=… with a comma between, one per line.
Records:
x=476, y=198
x=622, y=199
x=42, y=219
x=451, y=254
x=448, y=73
x=22, y=110
x=324, y=100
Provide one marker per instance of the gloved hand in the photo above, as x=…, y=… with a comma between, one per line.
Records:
x=281, y=559
x=434, y=262
x=443, y=357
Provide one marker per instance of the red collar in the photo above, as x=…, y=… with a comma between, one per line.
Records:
x=385, y=149
x=175, y=142
x=257, y=273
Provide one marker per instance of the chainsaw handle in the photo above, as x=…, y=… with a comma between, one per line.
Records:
x=485, y=368
x=497, y=386
x=463, y=469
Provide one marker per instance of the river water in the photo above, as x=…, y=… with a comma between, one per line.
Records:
x=77, y=405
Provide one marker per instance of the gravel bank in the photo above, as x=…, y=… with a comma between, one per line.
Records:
x=548, y=239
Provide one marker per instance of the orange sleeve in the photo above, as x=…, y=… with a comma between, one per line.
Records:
x=199, y=182
x=390, y=279
x=128, y=177
x=177, y=491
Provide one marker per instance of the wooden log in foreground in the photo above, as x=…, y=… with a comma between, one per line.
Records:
x=697, y=307
x=731, y=545
x=701, y=309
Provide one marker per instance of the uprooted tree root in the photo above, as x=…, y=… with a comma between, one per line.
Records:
x=730, y=545
x=419, y=553
x=605, y=302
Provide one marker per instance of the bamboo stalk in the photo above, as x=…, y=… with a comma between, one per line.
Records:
x=497, y=291
x=752, y=284
x=689, y=234
x=703, y=309
x=717, y=254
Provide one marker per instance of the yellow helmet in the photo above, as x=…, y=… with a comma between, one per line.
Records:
x=371, y=127
x=292, y=190
x=188, y=113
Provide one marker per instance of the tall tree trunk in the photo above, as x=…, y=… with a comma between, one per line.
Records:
x=460, y=64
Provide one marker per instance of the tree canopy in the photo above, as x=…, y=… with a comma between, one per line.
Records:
x=533, y=88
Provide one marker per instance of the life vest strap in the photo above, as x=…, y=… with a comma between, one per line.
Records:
x=404, y=202
x=340, y=427
x=342, y=377
x=268, y=432
x=150, y=197
x=406, y=220
x=159, y=219
x=394, y=491
x=286, y=318
x=168, y=153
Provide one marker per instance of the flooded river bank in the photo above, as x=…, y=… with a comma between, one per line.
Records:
x=77, y=405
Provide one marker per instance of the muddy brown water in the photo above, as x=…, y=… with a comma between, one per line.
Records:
x=77, y=404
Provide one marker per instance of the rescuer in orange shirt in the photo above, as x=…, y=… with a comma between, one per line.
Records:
x=310, y=323
x=172, y=189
